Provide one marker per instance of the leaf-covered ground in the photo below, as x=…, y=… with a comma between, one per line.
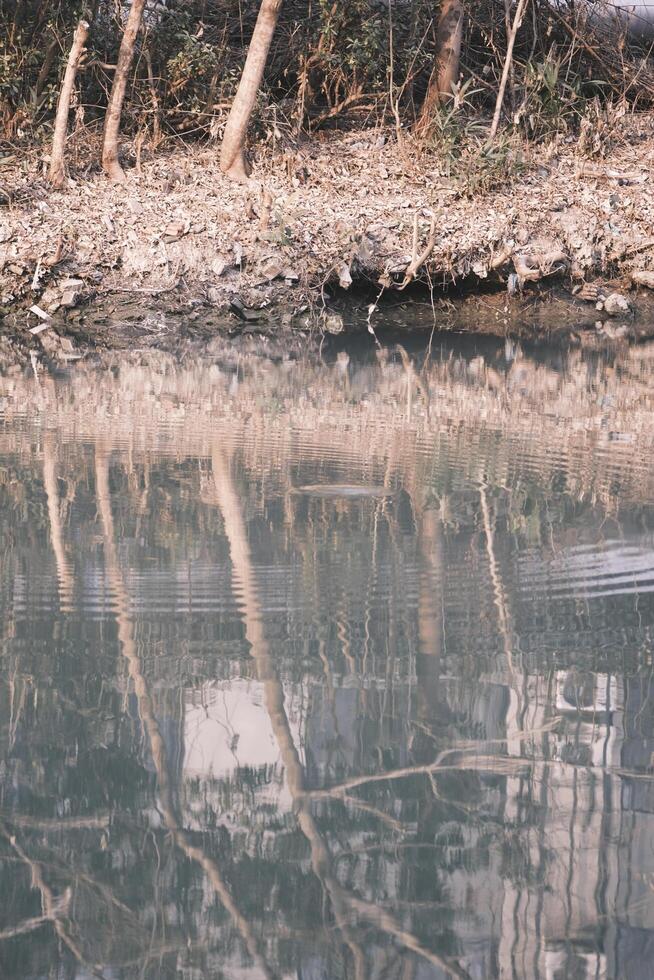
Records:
x=321, y=214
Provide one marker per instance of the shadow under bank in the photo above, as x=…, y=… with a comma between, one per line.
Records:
x=177, y=324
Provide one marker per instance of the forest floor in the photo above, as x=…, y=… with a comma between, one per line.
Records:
x=321, y=217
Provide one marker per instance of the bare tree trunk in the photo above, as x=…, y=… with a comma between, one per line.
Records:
x=156, y=117
x=232, y=155
x=57, y=167
x=448, y=55
x=517, y=21
x=46, y=67
x=110, y=162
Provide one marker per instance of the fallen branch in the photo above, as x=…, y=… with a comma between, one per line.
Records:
x=533, y=268
x=340, y=107
x=27, y=925
x=58, y=824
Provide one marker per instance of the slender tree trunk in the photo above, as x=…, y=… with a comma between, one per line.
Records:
x=65, y=576
x=517, y=21
x=448, y=56
x=110, y=162
x=57, y=166
x=156, y=117
x=46, y=67
x=232, y=155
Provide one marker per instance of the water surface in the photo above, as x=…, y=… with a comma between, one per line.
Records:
x=327, y=669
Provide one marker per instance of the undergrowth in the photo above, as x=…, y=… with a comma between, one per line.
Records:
x=332, y=64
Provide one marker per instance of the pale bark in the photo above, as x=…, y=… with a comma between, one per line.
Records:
x=110, y=162
x=232, y=155
x=57, y=165
x=344, y=905
x=517, y=21
x=65, y=578
x=430, y=614
x=448, y=56
x=148, y=717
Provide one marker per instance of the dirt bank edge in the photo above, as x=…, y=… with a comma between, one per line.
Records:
x=349, y=210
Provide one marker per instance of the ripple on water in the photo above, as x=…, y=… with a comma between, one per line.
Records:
x=350, y=664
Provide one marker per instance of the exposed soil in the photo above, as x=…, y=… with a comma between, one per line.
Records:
x=193, y=248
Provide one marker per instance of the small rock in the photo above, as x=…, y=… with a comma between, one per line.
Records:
x=272, y=269
x=71, y=284
x=5, y=233
x=344, y=276
x=334, y=323
x=239, y=309
x=176, y=230
x=220, y=263
x=72, y=291
x=70, y=299
x=616, y=304
x=643, y=277
x=51, y=299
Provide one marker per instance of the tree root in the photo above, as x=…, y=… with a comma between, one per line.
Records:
x=418, y=259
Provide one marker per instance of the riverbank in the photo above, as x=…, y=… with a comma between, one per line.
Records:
x=324, y=216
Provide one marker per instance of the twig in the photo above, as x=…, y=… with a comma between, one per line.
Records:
x=27, y=925
x=53, y=909
x=142, y=289
x=517, y=21
x=154, y=98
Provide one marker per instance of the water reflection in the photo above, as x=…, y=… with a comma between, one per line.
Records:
x=328, y=669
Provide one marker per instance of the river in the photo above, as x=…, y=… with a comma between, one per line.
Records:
x=329, y=667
